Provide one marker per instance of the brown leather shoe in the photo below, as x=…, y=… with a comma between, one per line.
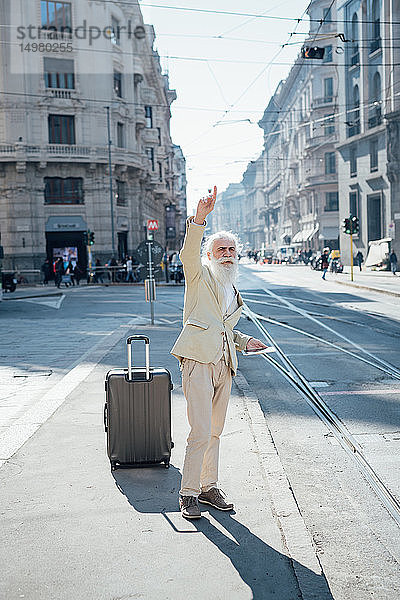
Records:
x=189, y=507
x=215, y=497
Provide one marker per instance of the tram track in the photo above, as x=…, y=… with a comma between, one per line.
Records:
x=333, y=423
x=346, y=440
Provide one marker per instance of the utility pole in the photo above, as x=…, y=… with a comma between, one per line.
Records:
x=351, y=256
x=110, y=178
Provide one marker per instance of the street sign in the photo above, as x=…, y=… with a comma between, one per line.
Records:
x=152, y=225
x=157, y=252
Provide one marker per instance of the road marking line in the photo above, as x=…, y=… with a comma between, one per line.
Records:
x=49, y=302
x=362, y=392
x=23, y=428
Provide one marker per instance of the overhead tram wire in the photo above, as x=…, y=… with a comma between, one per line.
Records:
x=243, y=14
x=262, y=71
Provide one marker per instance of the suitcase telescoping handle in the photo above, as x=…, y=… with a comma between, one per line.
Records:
x=134, y=338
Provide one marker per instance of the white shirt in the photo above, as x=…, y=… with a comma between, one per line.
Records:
x=229, y=296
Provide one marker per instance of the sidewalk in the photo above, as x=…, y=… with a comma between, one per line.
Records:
x=379, y=281
x=39, y=290
x=72, y=529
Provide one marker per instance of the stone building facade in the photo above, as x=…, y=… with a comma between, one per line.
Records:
x=368, y=146
x=299, y=159
x=229, y=212
x=65, y=67
x=332, y=135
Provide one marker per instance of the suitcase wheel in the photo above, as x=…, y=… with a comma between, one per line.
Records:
x=166, y=464
x=113, y=466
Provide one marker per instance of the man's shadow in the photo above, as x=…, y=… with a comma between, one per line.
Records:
x=268, y=573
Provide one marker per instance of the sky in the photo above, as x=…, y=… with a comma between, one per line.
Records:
x=224, y=68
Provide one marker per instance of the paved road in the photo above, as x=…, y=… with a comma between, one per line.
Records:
x=331, y=495
x=62, y=348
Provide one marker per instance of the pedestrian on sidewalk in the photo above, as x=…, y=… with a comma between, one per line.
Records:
x=98, y=272
x=46, y=270
x=206, y=349
x=359, y=259
x=79, y=273
x=129, y=270
x=70, y=272
x=393, y=262
x=59, y=271
x=325, y=262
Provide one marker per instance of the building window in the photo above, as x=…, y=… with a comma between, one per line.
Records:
x=376, y=26
x=56, y=16
x=115, y=31
x=328, y=89
x=120, y=135
x=150, y=156
x=331, y=201
x=353, y=115
x=355, y=55
x=353, y=162
x=327, y=55
x=61, y=129
x=373, y=155
x=375, y=111
x=353, y=204
x=330, y=163
x=63, y=191
x=160, y=173
x=159, y=135
x=118, y=84
x=59, y=73
x=329, y=123
x=149, y=116
x=120, y=194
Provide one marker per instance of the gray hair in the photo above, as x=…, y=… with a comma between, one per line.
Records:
x=219, y=235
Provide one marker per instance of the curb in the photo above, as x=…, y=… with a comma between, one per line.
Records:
x=371, y=289
x=296, y=537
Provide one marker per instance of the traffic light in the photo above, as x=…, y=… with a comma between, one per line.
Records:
x=315, y=52
x=85, y=238
x=91, y=238
x=355, y=224
x=346, y=226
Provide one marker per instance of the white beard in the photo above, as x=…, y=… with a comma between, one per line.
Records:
x=226, y=274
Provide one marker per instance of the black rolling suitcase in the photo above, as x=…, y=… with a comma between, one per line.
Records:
x=137, y=413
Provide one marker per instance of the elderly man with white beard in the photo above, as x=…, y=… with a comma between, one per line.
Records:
x=206, y=349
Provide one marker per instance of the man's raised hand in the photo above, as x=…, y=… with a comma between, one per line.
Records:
x=205, y=206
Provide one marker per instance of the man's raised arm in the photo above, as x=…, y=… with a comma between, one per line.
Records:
x=190, y=253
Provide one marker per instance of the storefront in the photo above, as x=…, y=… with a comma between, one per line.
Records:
x=65, y=238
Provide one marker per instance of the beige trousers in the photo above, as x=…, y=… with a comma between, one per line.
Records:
x=207, y=388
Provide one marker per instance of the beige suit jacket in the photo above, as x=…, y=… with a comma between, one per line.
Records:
x=204, y=324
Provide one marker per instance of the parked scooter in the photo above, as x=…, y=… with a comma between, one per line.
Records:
x=9, y=282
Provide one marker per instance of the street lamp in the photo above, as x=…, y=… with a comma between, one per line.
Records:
x=110, y=179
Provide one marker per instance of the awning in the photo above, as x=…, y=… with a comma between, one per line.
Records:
x=304, y=235
x=310, y=234
x=298, y=237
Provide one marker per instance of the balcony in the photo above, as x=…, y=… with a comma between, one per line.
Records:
x=376, y=44
x=353, y=122
x=355, y=59
x=150, y=136
x=375, y=117
x=54, y=35
x=321, y=179
x=323, y=101
x=61, y=93
x=22, y=153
